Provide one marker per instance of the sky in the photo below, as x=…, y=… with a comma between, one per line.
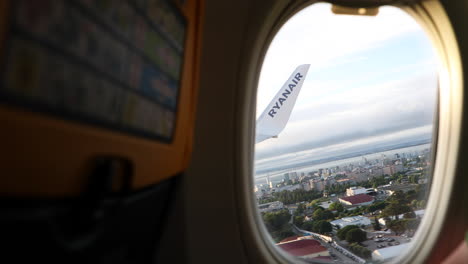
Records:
x=372, y=81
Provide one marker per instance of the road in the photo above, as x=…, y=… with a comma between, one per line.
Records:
x=340, y=258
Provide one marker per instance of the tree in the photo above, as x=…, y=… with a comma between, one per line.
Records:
x=298, y=221
x=276, y=220
x=413, y=178
x=321, y=214
x=397, y=226
x=322, y=227
x=300, y=209
x=264, y=200
x=377, y=226
x=336, y=206
x=277, y=224
x=409, y=215
x=398, y=197
x=422, y=204
x=413, y=224
x=291, y=197
x=411, y=195
x=356, y=235
x=376, y=206
x=282, y=234
x=314, y=203
x=309, y=226
x=341, y=234
x=360, y=251
x=395, y=209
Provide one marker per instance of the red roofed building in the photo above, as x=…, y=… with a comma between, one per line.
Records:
x=360, y=199
x=304, y=248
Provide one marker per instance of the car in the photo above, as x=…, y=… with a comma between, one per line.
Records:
x=397, y=243
x=391, y=240
x=390, y=244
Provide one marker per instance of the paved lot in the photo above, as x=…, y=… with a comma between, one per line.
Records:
x=386, y=240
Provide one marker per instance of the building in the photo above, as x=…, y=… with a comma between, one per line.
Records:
x=344, y=181
x=326, y=204
x=392, y=169
x=376, y=171
x=318, y=185
x=270, y=207
x=358, y=174
x=304, y=248
x=355, y=191
x=293, y=175
x=359, y=190
x=387, y=253
x=353, y=220
x=329, y=181
x=289, y=188
x=388, y=170
x=306, y=186
x=360, y=200
x=260, y=191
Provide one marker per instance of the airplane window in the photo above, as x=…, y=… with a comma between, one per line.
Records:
x=346, y=109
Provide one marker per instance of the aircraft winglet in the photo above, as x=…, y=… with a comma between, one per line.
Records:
x=275, y=117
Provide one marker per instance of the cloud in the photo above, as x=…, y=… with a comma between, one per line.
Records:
x=359, y=113
x=318, y=37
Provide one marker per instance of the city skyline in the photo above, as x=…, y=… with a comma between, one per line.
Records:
x=341, y=165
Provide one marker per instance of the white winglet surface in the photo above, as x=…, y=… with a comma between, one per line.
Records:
x=275, y=117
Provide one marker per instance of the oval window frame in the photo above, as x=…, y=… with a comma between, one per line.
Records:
x=432, y=18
